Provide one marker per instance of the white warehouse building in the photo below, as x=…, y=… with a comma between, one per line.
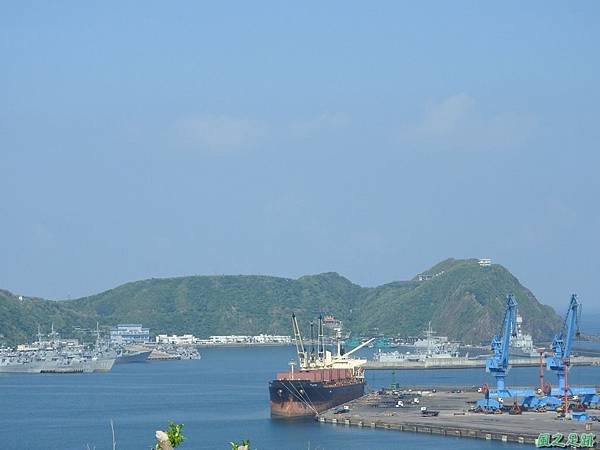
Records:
x=130, y=333
x=186, y=339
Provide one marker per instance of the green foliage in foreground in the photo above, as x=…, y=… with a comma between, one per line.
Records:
x=174, y=432
x=245, y=444
x=463, y=301
x=175, y=435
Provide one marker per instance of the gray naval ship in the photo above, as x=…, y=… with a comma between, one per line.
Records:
x=56, y=355
x=127, y=354
x=20, y=362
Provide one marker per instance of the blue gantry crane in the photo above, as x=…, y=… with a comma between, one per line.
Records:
x=559, y=362
x=498, y=363
x=562, y=344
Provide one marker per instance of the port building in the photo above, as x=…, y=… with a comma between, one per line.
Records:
x=129, y=333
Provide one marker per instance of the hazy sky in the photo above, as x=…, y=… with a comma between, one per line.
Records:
x=152, y=139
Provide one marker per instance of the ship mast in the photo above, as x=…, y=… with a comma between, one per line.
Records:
x=338, y=339
x=321, y=341
x=97, y=335
x=53, y=336
x=312, y=343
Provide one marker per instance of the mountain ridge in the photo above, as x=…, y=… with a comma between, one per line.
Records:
x=455, y=292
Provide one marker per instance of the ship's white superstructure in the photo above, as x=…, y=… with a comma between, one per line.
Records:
x=521, y=344
x=430, y=347
x=55, y=355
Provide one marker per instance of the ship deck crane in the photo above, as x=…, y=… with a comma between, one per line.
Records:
x=498, y=363
x=320, y=340
x=323, y=358
x=302, y=356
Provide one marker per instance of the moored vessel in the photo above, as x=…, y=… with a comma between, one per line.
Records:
x=430, y=348
x=56, y=355
x=132, y=354
x=323, y=380
x=521, y=344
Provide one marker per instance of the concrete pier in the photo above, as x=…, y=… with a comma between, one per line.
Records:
x=467, y=363
x=378, y=411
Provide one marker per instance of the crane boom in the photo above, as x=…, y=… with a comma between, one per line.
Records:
x=510, y=328
x=559, y=362
x=562, y=344
x=572, y=323
x=359, y=347
x=299, y=343
x=498, y=362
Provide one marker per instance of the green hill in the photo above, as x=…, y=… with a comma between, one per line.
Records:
x=19, y=318
x=206, y=305
x=460, y=298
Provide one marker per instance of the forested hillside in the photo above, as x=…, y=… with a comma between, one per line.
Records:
x=460, y=298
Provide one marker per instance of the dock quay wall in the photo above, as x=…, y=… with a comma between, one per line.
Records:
x=428, y=428
x=453, y=417
x=465, y=363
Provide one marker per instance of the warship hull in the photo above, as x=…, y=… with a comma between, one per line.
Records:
x=21, y=367
x=137, y=357
x=102, y=364
x=58, y=366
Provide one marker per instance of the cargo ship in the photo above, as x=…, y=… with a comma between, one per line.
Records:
x=323, y=380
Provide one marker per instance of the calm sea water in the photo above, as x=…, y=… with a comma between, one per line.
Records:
x=220, y=398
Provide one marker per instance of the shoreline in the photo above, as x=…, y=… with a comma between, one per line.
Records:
x=244, y=344
x=378, y=411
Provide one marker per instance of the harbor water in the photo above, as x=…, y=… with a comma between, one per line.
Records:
x=220, y=398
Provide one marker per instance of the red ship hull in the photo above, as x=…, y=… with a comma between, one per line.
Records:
x=307, y=393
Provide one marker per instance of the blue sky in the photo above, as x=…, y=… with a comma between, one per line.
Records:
x=152, y=139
